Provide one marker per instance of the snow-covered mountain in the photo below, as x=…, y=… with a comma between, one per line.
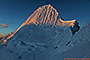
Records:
x=44, y=36
x=46, y=16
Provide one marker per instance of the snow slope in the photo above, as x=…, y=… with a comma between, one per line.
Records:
x=46, y=36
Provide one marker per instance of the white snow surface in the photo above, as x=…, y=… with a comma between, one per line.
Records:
x=44, y=41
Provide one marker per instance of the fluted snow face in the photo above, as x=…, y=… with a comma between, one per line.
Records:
x=47, y=15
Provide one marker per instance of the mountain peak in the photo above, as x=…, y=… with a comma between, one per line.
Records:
x=45, y=15
x=46, y=6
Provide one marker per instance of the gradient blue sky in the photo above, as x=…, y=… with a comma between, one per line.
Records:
x=15, y=12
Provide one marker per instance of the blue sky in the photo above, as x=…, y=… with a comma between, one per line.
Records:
x=15, y=12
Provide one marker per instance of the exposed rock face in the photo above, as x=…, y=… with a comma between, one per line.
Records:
x=75, y=28
x=83, y=33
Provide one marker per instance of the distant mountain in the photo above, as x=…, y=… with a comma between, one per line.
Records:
x=46, y=36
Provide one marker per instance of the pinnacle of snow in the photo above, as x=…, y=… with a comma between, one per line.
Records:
x=47, y=15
